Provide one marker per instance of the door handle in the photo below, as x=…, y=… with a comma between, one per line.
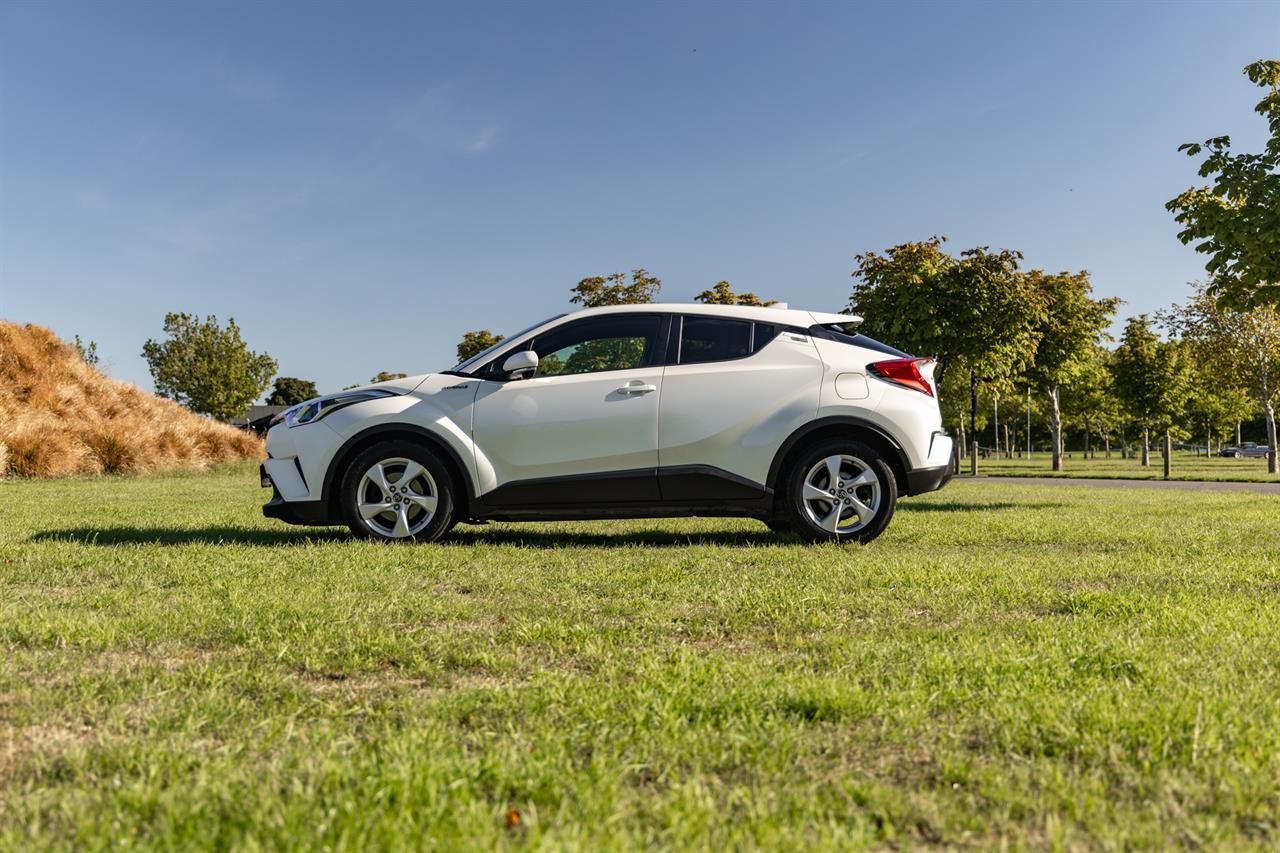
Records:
x=637, y=387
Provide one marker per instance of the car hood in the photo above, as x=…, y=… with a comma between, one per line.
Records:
x=397, y=386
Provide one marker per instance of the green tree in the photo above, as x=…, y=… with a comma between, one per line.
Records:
x=207, y=368
x=602, y=290
x=1069, y=324
x=1150, y=379
x=289, y=391
x=1236, y=219
x=1089, y=398
x=722, y=294
x=384, y=376
x=88, y=352
x=976, y=313
x=474, y=343
x=1239, y=348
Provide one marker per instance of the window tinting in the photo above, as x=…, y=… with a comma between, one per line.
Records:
x=598, y=344
x=765, y=332
x=712, y=339
x=845, y=334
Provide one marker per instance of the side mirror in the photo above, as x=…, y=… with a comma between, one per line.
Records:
x=520, y=365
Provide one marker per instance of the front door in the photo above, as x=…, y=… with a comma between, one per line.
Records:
x=584, y=428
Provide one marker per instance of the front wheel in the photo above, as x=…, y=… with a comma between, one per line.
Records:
x=397, y=491
x=840, y=491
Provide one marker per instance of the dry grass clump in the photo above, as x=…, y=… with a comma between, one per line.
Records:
x=60, y=417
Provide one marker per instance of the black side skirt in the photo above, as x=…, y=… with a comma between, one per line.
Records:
x=641, y=493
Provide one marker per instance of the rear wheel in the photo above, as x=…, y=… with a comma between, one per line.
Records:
x=840, y=491
x=397, y=491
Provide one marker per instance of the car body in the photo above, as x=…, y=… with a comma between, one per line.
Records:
x=1245, y=450
x=623, y=412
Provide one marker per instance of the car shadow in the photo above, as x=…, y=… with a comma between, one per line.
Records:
x=535, y=535
x=217, y=535
x=909, y=507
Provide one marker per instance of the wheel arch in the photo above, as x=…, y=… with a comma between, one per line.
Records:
x=841, y=426
x=392, y=432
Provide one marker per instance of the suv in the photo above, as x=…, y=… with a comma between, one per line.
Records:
x=630, y=411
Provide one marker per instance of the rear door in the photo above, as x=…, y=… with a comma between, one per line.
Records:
x=731, y=394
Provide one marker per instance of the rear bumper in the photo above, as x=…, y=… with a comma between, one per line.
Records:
x=311, y=513
x=923, y=480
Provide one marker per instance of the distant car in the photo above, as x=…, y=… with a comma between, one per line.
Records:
x=1245, y=450
x=635, y=411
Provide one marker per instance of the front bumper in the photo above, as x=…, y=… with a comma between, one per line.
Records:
x=310, y=513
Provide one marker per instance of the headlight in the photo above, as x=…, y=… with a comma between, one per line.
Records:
x=313, y=410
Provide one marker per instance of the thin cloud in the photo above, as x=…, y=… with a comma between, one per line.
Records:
x=435, y=119
x=485, y=140
x=257, y=89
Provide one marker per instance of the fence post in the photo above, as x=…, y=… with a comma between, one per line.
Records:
x=973, y=460
x=1168, y=451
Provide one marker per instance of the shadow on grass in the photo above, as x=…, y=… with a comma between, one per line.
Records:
x=910, y=506
x=535, y=535
x=221, y=535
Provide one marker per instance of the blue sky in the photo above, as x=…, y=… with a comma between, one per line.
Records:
x=359, y=183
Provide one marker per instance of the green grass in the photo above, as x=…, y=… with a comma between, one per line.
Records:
x=1185, y=465
x=1010, y=664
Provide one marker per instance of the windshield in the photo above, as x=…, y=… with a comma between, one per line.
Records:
x=466, y=365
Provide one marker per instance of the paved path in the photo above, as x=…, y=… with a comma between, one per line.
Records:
x=1190, y=485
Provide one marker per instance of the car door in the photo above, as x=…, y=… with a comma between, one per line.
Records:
x=733, y=391
x=584, y=428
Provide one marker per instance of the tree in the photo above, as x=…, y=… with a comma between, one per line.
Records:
x=207, y=368
x=614, y=289
x=975, y=312
x=1150, y=378
x=1236, y=220
x=289, y=391
x=1242, y=345
x=88, y=352
x=384, y=376
x=474, y=343
x=1089, y=398
x=1069, y=324
x=722, y=294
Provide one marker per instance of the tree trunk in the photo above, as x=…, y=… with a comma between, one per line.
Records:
x=973, y=460
x=963, y=444
x=1086, y=436
x=1271, y=437
x=1146, y=448
x=1008, y=448
x=1237, y=433
x=1055, y=422
x=1106, y=444
x=1168, y=452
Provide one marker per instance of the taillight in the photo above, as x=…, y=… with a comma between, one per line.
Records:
x=904, y=372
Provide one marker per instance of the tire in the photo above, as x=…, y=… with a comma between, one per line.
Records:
x=868, y=506
x=420, y=506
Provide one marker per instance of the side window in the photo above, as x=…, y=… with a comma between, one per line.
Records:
x=621, y=342
x=765, y=332
x=713, y=339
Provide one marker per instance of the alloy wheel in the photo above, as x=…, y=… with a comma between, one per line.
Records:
x=397, y=497
x=841, y=494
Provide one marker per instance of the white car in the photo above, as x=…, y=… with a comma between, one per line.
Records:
x=631, y=411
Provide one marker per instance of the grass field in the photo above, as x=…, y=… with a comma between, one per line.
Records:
x=1010, y=664
x=1185, y=465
